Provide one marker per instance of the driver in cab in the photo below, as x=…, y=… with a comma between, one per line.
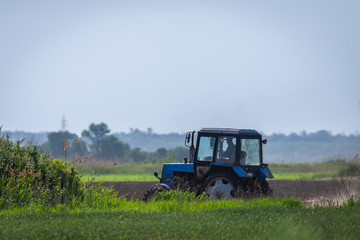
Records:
x=230, y=151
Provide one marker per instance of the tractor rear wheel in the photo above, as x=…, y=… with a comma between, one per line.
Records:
x=265, y=188
x=220, y=185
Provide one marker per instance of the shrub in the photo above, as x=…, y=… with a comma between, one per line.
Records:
x=30, y=176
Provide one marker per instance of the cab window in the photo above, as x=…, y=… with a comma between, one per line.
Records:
x=225, y=151
x=206, y=149
x=250, y=152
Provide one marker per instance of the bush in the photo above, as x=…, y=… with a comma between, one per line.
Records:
x=351, y=169
x=29, y=176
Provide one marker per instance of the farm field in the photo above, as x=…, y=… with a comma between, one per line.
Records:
x=181, y=219
x=316, y=183
x=44, y=198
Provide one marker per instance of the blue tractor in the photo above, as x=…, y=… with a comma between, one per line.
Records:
x=222, y=162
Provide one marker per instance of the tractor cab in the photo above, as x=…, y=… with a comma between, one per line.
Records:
x=225, y=147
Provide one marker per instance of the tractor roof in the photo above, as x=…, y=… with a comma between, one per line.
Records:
x=234, y=131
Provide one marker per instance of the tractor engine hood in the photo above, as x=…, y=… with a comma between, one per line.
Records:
x=169, y=169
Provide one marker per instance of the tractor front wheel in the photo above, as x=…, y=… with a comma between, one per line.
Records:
x=150, y=193
x=220, y=185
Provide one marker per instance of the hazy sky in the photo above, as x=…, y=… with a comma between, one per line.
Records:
x=274, y=66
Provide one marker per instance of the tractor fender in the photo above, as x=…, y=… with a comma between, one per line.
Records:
x=237, y=170
x=163, y=185
x=264, y=172
x=240, y=172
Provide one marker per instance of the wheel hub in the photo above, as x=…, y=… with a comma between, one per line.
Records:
x=220, y=188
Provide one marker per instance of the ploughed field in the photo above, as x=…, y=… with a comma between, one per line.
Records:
x=321, y=192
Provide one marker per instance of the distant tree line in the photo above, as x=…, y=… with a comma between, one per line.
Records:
x=312, y=147
x=97, y=141
x=137, y=145
x=295, y=147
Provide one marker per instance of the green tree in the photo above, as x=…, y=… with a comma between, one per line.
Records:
x=179, y=153
x=112, y=148
x=161, y=153
x=56, y=142
x=96, y=133
x=137, y=155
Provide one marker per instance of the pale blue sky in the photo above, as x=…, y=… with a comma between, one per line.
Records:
x=274, y=66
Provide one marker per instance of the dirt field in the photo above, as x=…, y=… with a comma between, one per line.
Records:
x=324, y=192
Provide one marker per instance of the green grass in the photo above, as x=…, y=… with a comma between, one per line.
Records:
x=307, y=171
x=144, y=171
x=183, y=219
x=125, y=172
x=304, y=176
x=104, y=168
x=180, y=215
x=119, y=178
x=330, y=166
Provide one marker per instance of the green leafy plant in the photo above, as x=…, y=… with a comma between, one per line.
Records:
x=351, y=202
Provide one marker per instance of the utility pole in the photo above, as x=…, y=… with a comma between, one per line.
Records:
x=63, y=123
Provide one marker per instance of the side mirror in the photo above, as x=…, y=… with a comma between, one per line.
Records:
x=156, y=175
x=264, y=141
x=188, y=137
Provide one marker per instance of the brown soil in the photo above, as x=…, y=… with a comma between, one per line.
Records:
x=322, y=192
x=136, y=190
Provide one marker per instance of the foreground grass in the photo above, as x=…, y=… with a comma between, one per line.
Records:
x=254, y=219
